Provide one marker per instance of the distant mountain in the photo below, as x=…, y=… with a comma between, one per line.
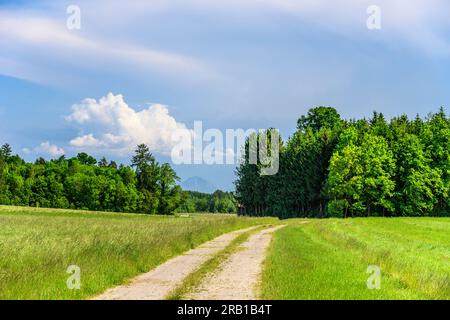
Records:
x=198, y=184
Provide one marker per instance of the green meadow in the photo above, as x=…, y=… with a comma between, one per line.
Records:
x=329, y=259
x=308, y=259
x=38, y=245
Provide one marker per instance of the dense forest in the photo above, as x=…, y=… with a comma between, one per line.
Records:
x=341, y=168
x=83, y=182
x=328, y=167
x=217, y=202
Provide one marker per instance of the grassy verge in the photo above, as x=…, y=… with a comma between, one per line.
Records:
x=38, y=245
x=328, y=259
x=195, y=278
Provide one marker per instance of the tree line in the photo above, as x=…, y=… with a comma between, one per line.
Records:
x=83, y=182
x=331, y=167
x=217, y=202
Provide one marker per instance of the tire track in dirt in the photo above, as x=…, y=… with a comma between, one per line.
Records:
x=238, y=277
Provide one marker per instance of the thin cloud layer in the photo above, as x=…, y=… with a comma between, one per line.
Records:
x=37, y=46
x=41, y=49
x=423, y=24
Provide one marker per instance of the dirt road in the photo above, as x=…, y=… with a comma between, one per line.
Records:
x=161, y=281
x=237, y=278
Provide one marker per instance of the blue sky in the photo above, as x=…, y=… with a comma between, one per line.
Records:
x=231, y=64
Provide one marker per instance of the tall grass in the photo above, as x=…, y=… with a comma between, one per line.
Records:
x=38, y=245
x=328, y=259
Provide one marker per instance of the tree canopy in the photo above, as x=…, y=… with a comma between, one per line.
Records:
x=367, y=167
x=82, y=182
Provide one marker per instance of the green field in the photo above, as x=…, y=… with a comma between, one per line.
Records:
x=328, y=259
x=37, y=246
x=319, y=259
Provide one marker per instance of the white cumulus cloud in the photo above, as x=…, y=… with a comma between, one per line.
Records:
x=113, y=126
x=46, y=148
x=87, y=140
